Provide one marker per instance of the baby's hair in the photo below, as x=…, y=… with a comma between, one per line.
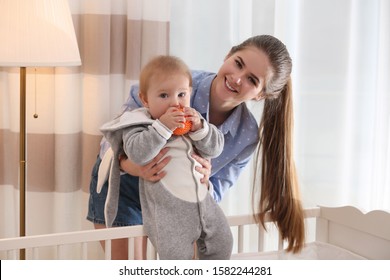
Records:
x=162, y=65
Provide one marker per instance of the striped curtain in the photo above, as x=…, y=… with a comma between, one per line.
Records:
x=115, y=39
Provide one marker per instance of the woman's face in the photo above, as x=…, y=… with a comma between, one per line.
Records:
x=241, y=77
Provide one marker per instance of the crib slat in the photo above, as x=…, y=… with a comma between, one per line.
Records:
x=58, y=252
x=280, y=242
x=154, y=252
x=240, y=239
x=84, y=250
x=35, y=253
x=11, y=254
x=260, y=244
x=107, y=249
x=130, y=248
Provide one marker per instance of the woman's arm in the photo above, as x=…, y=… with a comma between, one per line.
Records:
x=225, y=178
x=153, y=171
x=227, y=175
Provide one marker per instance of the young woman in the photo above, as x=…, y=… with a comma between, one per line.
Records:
x=257, y=69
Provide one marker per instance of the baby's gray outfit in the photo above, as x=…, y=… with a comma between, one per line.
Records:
x=177, y=210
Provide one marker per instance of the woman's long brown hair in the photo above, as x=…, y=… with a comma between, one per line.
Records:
x=276, y=188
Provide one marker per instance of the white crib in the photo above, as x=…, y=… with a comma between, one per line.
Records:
x=339, y=233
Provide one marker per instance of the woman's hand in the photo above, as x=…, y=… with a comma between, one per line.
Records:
x=205, y=169
x=153, y=171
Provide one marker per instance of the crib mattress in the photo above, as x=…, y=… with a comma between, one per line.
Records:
x=312, y=251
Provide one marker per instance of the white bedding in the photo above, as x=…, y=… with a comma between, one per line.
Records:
x=312, y=251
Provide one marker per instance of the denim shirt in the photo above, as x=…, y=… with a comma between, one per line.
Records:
x=240, y=131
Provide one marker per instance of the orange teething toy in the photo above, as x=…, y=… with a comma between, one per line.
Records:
x=183, y=130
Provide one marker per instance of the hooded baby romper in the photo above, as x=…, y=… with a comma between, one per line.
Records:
x=177, y=210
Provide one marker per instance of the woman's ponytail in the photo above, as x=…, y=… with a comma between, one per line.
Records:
x=276, y=190
x=278, y=179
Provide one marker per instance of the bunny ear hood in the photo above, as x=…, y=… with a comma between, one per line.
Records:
x=128, y=118
x=109, y=168
x=104, y=168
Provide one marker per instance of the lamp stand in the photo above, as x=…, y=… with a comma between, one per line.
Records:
x=31, y=32
x=22, y=162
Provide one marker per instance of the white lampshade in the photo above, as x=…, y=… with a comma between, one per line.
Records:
x=37, y=33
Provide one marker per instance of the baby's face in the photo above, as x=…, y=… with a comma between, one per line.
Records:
x=167, y=91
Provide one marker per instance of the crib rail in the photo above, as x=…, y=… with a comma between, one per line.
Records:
x=65, y=238
x=241, y=221
x=58, y=240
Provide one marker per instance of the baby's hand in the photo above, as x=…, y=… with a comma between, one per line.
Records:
x=193, y=116
x=185, y=128
x=173, y=118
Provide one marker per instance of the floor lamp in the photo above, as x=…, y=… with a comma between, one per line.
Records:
x=34, y=33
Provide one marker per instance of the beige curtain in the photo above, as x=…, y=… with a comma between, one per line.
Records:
x=115, y=39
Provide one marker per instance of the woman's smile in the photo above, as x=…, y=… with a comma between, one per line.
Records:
x=229, y=86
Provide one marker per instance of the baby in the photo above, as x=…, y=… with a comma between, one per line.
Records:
x=178, y=210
